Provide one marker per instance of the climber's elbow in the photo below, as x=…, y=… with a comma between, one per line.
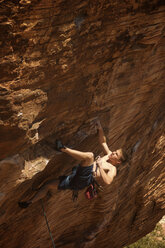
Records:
x=109, y=182
x=110, y=179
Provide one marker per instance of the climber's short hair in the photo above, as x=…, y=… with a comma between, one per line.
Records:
x=124, y=156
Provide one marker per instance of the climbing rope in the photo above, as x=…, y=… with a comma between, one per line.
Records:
x=47, y=224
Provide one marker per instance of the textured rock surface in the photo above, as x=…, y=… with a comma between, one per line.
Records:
x=62, y=64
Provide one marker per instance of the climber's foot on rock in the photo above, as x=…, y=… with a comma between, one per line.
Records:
x=24, y=204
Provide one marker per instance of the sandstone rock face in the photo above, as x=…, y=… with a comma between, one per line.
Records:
x=64, y=63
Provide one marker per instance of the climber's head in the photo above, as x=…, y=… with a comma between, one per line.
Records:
x=118, y=157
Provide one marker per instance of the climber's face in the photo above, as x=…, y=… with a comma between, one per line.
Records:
x=114, y=157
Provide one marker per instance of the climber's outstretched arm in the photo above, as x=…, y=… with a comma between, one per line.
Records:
x=102, y=138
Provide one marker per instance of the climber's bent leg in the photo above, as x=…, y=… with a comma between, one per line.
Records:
x=86, y=158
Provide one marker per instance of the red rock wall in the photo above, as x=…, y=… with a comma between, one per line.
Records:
x=62, y=64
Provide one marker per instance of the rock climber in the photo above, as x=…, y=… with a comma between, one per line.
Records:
x=103, y=169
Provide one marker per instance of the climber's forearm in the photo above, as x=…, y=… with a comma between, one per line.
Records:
x=106, y=178
x=102, y=138
x=103, y=141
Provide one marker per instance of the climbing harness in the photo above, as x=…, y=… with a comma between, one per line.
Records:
x=91, y=191
x=47, y=225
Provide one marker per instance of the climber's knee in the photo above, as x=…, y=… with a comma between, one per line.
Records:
x=91, y=156
x=88, y=160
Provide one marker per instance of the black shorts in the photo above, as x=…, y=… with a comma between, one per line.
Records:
x=80, y=178
x=64, y=182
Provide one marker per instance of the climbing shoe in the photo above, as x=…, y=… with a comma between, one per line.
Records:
x=24, y=204
x=59, y=145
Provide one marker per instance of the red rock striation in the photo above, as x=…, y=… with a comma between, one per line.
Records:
x=64, y=63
